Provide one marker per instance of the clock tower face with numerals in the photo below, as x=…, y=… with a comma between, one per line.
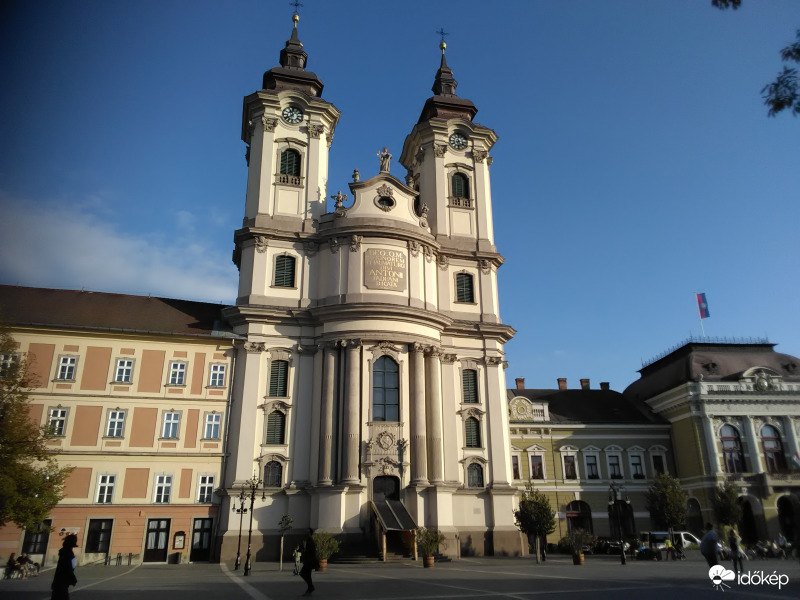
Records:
x=292, y=115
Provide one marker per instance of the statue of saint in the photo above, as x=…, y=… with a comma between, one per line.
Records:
x=384, y=157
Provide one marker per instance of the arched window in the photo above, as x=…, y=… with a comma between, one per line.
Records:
x=475, y=476
x=273, y=474
x=773, y=449
x=469, y=386
x=472, y=433
x=731, y=449
x=278, y=378
x=460, y=185
x=284, y=270
x=385, y=390
x=464, y=288
x=276, y=426
x=290, y=162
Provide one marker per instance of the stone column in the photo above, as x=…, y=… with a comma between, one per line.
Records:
x=351, y=413
x=711, y=444
x=433, y=404
x=752, y=445
x=326, y=422
x=419, y=452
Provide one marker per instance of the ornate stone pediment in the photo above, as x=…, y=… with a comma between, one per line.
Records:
x=522, y=409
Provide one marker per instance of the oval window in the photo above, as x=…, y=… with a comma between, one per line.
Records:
x=385, y=202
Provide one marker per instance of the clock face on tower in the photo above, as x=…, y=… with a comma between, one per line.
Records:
x=458, y=141
x=292, y=115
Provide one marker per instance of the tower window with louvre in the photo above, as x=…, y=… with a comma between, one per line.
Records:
x=284, y=270
x=290, y=162
x=278, y=378
x=469, y=386
x=276, y=425
x=459, y=185
x=472, y=433
x=464, y=288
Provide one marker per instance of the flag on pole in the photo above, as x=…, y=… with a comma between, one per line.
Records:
x=702, y=306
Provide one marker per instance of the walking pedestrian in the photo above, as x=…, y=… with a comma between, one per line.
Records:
x=310, y=562
x=734, y=541
x=65, y=569
x=709, y=545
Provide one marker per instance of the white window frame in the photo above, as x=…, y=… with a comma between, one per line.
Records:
x=171, y=418
x=67, y=367
x=177, y=372
x=595, y=453
x=205, y=488
x=636, y=451
x=162, y=488
x=566, y=451
x=123, y=373
x=661, y=451
x=616, y=452
x=60, y=417
x=532, y=451
x=115, y=415
x=106, y=482
x=217, y=374
x=516, y=453
x=209, y=422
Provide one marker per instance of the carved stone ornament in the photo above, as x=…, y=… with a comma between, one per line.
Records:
x=388, y=466
x=329, y=137
x=443, y=261
x=490, y=160
x=439, y=150
x=338, y=204
x=428, y=252
x=310, y=248
x=261, y=243
x=304, y=349
x=385, y=190
x=420, y=154
x=434, y=352
x=520, y=409
x=413, y=247
x=479, y=155
x=268, y=123
x=385, y=440
x=418, y=348
x=254, y=347
x=493, y=361
x=355, y=243
x=485, y=265
x=385, y=347
x=763, y=382
x=423, y=221
x=315, y=130
x=410, y=179
x=334, y=245
x=449, y=359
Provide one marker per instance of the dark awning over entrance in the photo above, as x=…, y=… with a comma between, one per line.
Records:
x=393, y=515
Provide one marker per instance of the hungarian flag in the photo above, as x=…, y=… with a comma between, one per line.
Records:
x=702, y=306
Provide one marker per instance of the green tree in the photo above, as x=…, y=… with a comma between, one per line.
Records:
x=534, y=516
x=666, y=501
x=727, y=509
x=31, y=480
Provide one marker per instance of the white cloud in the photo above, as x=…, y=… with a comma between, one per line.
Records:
x=79, y=247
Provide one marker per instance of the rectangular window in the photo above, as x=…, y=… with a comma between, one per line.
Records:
x=637, y=468
x=570, y=472
x=105, y=488
x=172, y=422
x=469, y=385
x=205, y=488
x=98, y=536
x=57, y=420
x=7, y=362
x=66, y=368
x=464, y=291
x=658, y=464
x=163, y=489
x=212, y=426
x=537, y=467
x=592, y=472
x=124, y=370
x=614, y=468
x=177, y=373
x=515, y=467
x=278, y=378
x=284, y=271
x=35, y=541
x=116, y=423
x=217, y=376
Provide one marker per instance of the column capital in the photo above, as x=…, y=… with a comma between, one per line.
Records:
x=434, y=352
x=352, y=343
x=417, y=347
x=449, y=359
x=493, y=361
x=254, y=347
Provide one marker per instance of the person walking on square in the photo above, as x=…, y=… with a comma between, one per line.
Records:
x=297, y=564
x=65, y=569
x=708, y=545
x=309, y=562
x=734, y=542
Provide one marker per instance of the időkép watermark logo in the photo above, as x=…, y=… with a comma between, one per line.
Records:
x=719, y=577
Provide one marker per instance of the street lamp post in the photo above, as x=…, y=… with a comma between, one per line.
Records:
x=241, y=511
x=253, y=484
x=615, y=499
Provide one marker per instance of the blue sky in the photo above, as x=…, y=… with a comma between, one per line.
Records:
x=635, y=167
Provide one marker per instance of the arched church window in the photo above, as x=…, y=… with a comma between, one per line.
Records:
x=472, y=433
x=464, y=288
x=469, y=386
x=475, y=476
x=290, y=162
x=276, y=426
x=773, y=449
x=284, y=270
x=385, y=390
x=731, y=449
x=273, y=474
x=460, y=185
x=278, y=378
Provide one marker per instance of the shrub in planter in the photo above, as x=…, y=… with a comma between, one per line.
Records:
x=577, y=540
x=327, y=546
x=428, y=542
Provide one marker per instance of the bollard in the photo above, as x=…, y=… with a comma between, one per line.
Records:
x=130, y=558
x=119, y=559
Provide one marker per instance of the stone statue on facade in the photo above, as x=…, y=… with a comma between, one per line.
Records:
x=384, y=157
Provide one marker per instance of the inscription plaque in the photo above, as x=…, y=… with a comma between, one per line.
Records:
x=385, y=269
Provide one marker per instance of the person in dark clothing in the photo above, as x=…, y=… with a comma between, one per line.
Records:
x=65, y=569
x=734, y=542
x=309, y=562
x=708, y=545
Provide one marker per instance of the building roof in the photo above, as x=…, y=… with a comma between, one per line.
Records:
x=113, y=312
x=710, y=361
x=589, y=406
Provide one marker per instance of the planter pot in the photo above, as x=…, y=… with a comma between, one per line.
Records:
x=323, y=564
x=577, y=559
x=427, y=561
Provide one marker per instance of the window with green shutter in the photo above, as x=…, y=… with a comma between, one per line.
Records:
x=472, y=433
x=460, y=185
x=469, y=385
x=276, y=423
x=464, y=291
x=474, y=476
x=290, y=162
x=284, y=271
x=278, y=376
